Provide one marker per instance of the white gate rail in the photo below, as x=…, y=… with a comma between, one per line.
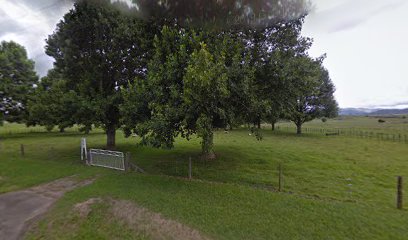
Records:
x=108, y=159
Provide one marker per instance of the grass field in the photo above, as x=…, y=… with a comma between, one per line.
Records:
x=335, y=187
x=392, y=124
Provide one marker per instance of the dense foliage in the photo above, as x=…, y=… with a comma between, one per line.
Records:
x=17, y=79
x=98, y=50
x=161, y=78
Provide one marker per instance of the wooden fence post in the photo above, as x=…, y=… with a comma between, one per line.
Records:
x=189, y=169
x=127, y=161
x=22, y=150
x=399, y=193
x=280, y=177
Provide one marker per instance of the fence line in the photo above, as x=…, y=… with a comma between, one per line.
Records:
x=5, y=131
x=351, y=132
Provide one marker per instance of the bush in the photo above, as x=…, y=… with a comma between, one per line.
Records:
x=324, y=120
x=404, y=117
x=381, y=121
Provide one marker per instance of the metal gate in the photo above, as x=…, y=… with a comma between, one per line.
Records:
x=108, y=159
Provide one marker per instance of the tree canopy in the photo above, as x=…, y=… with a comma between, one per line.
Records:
x=98, y=50
x=167, y=75
x=17, y=79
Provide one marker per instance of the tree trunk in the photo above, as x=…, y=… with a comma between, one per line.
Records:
x=62, y=130
x=273, y=126
x=110, y=137
x=299, y=128
x=259, y=124
x=207, y=147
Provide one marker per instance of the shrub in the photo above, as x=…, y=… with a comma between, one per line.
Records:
x=324, y=119
x=381, y=121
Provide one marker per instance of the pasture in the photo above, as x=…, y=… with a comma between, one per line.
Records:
x=334, y=187
x=392, y=124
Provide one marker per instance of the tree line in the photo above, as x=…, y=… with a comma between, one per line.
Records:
x=161, y=78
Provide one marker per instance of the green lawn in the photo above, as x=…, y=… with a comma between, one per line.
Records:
x=334, y=187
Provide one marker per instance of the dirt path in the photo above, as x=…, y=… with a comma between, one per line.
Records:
x=19, y=209
x=141, y=220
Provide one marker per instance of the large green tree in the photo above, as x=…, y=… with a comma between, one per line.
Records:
x=162, y=91
x=17, y=79
x=99, y=50
x=191, y=88
x=310, y=91
x=283, y=42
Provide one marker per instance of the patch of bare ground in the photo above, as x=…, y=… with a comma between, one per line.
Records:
x=140, y=219
x=84, y=208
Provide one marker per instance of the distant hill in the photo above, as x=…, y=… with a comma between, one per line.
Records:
x=371, y=112
x=355, y=111
x=390, y=112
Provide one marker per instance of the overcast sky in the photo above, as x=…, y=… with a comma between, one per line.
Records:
x=366, y=45
x=365, y=42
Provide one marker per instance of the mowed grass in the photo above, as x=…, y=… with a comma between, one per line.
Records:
x=337, y=168
x=222, y=211
x=334, y=187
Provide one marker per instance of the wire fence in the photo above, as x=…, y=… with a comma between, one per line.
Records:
x=351, y=132
x=351, y=187
x=40, y=151
x=12, y=130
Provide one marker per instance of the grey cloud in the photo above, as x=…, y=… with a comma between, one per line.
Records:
x=8, y=24
x=30, y=28
x=357, y=20
x=351, y=14
x=42, y=64
x=33, y=35
x=395, y=104
x=346, y=24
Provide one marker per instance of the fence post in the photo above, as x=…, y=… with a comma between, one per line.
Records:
x=280, y=177
x=189, y=169
x=127, y=161
x=399, y=193
x=22, y=150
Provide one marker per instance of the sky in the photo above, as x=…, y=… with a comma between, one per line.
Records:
x=366, y=46
x=365, y=42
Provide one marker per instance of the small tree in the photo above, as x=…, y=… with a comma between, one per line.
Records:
x=17, y=79
x=53, y=104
